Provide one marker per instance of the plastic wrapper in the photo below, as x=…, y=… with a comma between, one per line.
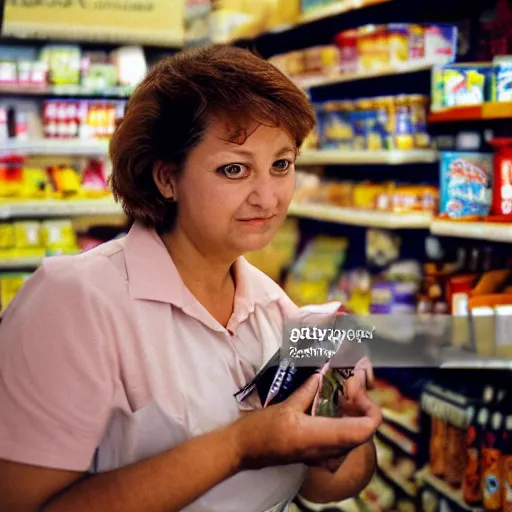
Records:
x=314, y=342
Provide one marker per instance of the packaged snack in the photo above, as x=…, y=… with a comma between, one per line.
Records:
x=502, y=183
x=340, y=193
x=7, y=236
x=414, y=198
x=466, y=185
x=63, y=62
x=366, y=195
x=309, y=347
x=382, y=247
x=440, y=43
x=58, y=237
x=322, y=60
x=502, y=83
x=27, y=234
x=10, y=284
x=465, y=85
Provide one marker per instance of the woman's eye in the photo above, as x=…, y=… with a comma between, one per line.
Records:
x=234, y=170
x=282, y=165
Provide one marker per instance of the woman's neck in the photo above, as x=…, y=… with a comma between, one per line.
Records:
x=207, y=277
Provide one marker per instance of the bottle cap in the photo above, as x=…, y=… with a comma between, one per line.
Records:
x=496, y=420
x=488, y=394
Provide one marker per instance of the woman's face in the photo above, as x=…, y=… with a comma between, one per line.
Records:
x=232, y=198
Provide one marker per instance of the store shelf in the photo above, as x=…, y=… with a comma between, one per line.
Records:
x=399, y=419
x=406, y=69
x=396, y=438
x=486, y=111
x=464, y=360
x=65, y=91
x=356, y=217
x=59, y=208
x=336, y=9
x=350, y=505
x=335, y=157
x=56, y=147
x=398, y=481
x=444, y=489
x=492, y=231
x=19, y=264
x=321, y=13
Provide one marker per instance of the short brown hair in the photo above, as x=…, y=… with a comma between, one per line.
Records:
x=168, y=113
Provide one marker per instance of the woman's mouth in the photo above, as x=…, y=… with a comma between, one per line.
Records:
x=257, y=221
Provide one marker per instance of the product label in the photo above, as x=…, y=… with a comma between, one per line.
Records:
x=466, y=185
x=491, y=479
x=506, y=187
x=472, y=490
x=507, y=482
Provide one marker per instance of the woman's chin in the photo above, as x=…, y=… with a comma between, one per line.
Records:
x=254, y=243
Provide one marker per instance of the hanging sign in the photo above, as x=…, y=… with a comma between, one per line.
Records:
x=146, y=22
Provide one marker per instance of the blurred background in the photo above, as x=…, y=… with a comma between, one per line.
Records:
x=403, y=206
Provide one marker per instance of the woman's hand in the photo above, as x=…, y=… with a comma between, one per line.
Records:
x=285, y=433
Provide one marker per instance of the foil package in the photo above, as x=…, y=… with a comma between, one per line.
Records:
x=313, y=342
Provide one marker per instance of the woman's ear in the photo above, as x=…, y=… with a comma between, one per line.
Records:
x=165, y=180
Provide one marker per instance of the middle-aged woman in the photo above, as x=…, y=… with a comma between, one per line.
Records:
x=119, y=366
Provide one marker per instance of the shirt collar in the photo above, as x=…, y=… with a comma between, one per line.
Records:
x=153, y=276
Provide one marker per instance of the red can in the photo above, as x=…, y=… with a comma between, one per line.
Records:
x=502, y=182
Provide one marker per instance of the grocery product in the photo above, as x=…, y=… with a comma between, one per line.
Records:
x=456, y=455
x=395, y=291
x=460, y=85
x=507, y=464
x=501, y=208
x=373, y=124
x=466, y=185
x=404, y=136
x=440, y=42
x=371, y=49
x=63, y=62
x=337, y=129
x=10, y=284
x=471, y=487
x=382, y=247
x=316, y=268
x=502, y=79
x=491, y=465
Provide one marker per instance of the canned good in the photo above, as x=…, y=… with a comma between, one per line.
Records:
x=338, y=132
x=360, y=123
x=404, y=135
x=418, y=108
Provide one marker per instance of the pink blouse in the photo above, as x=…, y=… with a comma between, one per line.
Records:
x=106, y=358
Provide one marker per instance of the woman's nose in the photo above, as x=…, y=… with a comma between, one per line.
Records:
x=265, y=192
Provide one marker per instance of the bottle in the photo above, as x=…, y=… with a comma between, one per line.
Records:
x=491, y=464
x=507, y=465
x=471, y=484
x=438, y=441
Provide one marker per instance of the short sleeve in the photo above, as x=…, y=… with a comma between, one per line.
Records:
x=56, y=370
